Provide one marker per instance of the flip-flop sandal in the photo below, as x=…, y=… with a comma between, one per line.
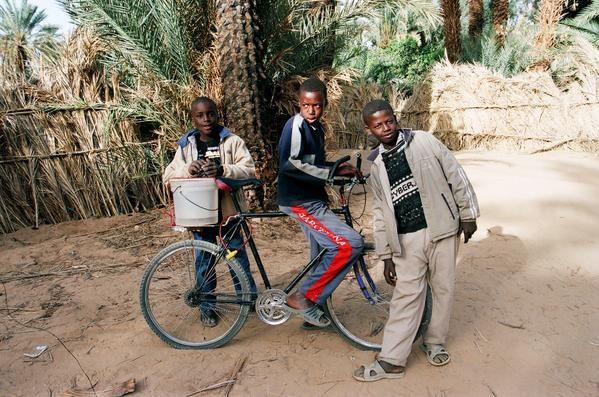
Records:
x=434, y=351
x=313, y=315
x=373, y=372
x=208, y=318
x=306, y=326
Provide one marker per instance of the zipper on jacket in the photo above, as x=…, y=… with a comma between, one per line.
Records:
x=448, y=207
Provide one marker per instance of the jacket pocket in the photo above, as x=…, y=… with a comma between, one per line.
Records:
x=448, y=207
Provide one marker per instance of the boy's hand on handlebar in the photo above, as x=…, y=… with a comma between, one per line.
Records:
x=389, y=272
x=348, y=170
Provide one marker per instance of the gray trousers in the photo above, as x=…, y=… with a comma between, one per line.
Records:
x=421, y=259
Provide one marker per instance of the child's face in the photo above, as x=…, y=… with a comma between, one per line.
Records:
x=383, y=126
x=311, y=105
x=204, y=117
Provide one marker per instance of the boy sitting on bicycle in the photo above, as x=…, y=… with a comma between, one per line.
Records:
x=210, y=150
x=422, y=202
x=303, y=174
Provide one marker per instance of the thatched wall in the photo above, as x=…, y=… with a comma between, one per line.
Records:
x=470, y=107
x=57, y=167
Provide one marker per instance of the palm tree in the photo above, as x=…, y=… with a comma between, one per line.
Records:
x=584, y=21
x=475, y=17
x=23, y=35
x=451, y=26
x=247, y=53
x=500, y=15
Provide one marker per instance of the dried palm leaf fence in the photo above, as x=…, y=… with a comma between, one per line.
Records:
x=66, y=150
x=470, y=107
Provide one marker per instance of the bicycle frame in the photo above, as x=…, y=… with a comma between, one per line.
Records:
x=359, y=267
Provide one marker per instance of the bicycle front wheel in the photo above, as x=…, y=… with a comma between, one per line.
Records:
x=172, y=299
x=359, y=307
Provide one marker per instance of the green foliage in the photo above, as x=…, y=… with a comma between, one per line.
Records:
x=585, y=23
x=151, y=37
x=403, y=63
x=24, y=35
x=516, y=54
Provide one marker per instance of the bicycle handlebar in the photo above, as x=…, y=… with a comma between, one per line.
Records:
x=336, y=165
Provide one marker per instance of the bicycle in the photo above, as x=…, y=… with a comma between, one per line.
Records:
x=170, y=300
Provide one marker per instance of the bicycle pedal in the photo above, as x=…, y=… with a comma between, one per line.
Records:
x=231, y=254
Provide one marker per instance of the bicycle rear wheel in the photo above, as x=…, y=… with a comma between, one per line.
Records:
x=170, y=300
x=360, y=320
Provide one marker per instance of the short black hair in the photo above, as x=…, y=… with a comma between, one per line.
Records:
x=203, y=99
x=374, y=106
x=314, y=85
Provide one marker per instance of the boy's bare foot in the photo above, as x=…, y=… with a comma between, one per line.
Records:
x=298, y=301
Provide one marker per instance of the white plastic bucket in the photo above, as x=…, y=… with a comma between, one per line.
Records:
x=195, y=201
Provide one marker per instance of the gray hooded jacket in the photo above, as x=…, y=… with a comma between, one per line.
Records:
x=446, y=193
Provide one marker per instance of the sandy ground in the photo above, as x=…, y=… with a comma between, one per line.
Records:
x=525, y=321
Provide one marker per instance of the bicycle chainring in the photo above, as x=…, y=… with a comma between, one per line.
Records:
x=269, y=307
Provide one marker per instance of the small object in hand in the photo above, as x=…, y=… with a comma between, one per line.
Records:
x=37, y=351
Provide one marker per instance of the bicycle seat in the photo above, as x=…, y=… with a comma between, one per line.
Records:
x=230, y=185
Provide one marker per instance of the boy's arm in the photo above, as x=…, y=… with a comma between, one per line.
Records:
x=243, y=164
x=380, y=237
x=177, y=168
x=292, y=154
x=461, y=188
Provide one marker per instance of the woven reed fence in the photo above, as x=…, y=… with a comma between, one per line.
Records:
x=470, y=107
x=56, y=167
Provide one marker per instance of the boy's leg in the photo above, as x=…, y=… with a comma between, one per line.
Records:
x=236, y=243
x=204, y=267
x=442, y=263
x=343, y=245
x=407, y=303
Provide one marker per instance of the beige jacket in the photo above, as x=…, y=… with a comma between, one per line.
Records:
x=235, y=157
x=446, y=193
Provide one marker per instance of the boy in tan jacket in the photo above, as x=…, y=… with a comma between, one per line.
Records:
x=211, y=150
x=423, y=201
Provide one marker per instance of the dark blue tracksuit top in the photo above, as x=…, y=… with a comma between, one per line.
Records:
x=303, y=171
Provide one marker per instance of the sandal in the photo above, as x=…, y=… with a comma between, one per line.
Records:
x=208, y=318
x=313, y=315
x=306, y=326
x=436, y=352
x=373, y=372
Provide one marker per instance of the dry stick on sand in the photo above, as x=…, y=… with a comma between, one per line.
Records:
x=228, y=383
x=518, y=326
x=50, y=332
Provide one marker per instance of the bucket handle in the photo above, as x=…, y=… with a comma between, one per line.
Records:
x=197, y=205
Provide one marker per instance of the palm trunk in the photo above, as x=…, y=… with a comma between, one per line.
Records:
x=451, y=27
x=475, y=17
x=500, y=15
x=238, y=49
x=551, y=12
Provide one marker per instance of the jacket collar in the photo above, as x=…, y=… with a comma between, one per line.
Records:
x=223, y=132
x=408, y=136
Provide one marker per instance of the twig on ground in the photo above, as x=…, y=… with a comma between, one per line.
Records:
x=477, y=346
x=515, y=326
x=227, y=383
x=212, y=387
x=491, y=390
x=234, y=374
x=47, y=331
x=476, y=330
x=117, y=390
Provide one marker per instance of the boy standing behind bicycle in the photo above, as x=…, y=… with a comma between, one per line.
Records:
x=422, y=202
x=210, y=150
x=303, y=174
